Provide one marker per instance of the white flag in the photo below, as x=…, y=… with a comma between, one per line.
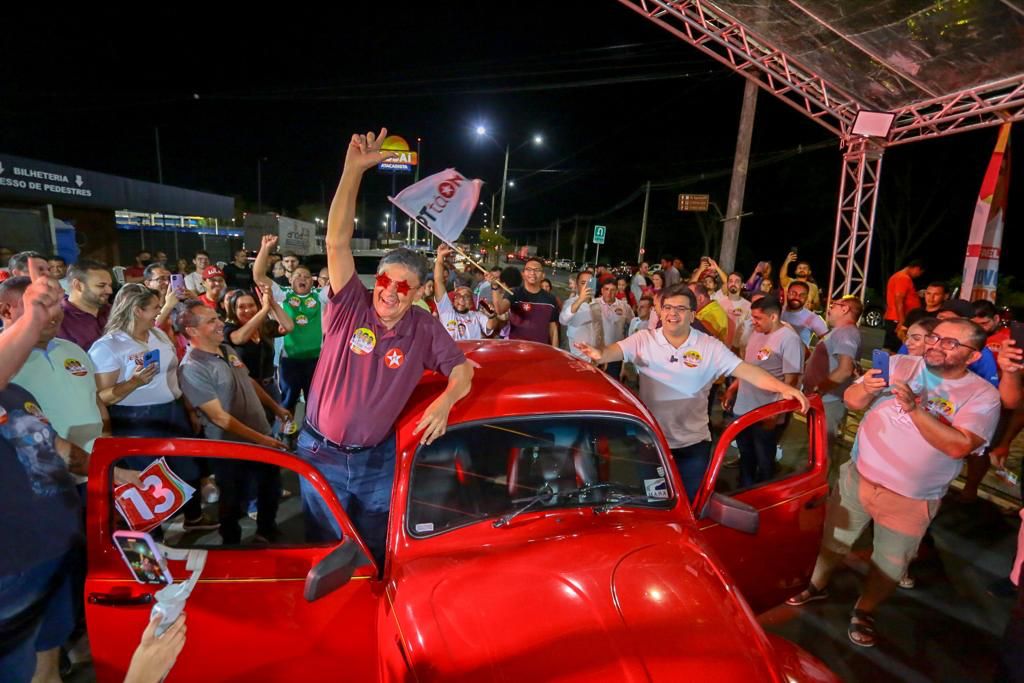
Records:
x=442, y=203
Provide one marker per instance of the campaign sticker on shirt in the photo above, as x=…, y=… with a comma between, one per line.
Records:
x=764, y=354
x=301, y=320
x=3, y=415
x=692, y=358
x=75, y=368
x=294, y=302
x=656, y=488
x=234, y=360
x=363, y=341
x=311, y=302
x=942, y=408
x=394, y=358
x=527, y=307
x=137, y=358
x=35, y=411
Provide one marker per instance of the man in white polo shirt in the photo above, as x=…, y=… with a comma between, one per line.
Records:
x=776, y=349
x=677, y=367
x=910, y=445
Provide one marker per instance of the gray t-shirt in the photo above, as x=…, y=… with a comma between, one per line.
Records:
x=805, y=323
x=207, y=376
x=842, y=341
x=779, y=353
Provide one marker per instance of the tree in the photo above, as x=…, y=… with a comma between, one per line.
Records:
x=904, y=222
x=494, y=242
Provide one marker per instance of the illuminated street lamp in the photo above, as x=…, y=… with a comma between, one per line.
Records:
x=537, y=140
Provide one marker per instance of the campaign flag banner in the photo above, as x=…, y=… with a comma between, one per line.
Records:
x=442, y=203
x=161, y=495
x=981, y=265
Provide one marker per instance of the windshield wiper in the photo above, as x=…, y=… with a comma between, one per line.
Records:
x=545, y=492
x=618, y=499
x=580, y=492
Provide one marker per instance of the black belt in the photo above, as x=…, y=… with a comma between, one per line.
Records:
x=334, y=444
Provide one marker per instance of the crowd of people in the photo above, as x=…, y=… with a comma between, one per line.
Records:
x=231, y=352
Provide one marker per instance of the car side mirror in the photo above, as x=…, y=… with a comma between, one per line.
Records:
x=732, y=513
x=333, y=571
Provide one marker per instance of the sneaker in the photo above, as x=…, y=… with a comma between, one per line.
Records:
x=210, y=492
x=204, y=523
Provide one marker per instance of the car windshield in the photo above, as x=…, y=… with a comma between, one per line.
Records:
x=489, y=470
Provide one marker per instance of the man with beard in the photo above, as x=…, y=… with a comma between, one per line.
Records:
x=677, y=366
x=639, y=281
x=910, y=445
x=737, y=309
x=454, y=313
x=214, y=288
x=380, y=346
x=801, y=274
x=804, y=321
x=86, y=308
x=533, y=313
x=668, y=271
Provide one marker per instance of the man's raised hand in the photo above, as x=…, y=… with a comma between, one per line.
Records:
x=268, y=242
x=443, y=250
x=364, y=151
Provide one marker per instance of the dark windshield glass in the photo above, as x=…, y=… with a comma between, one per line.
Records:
x=487, y=470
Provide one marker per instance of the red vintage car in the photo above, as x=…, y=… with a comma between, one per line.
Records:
x=546, y=536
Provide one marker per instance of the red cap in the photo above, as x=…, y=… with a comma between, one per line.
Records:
x=212, y=271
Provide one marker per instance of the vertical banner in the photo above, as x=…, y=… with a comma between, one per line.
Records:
x=981, y=266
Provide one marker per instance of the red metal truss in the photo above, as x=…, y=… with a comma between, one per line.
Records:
x=855, y=218
x=985, y=105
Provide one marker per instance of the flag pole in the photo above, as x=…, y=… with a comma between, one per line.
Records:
x=419, y=221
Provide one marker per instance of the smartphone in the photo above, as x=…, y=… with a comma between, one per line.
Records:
x=880, y=362
x=151, y=358
x=143, y=558
x=794, y=250
x=177, y=283
x=1017, y=335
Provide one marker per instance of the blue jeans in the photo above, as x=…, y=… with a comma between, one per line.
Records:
x=757, y=453
x=362, y=481
x=296, y=375
x=692, y=462
x=614, y=369
x=40, y=599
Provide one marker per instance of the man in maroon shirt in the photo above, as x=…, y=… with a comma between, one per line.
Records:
x=380, y=344
x=87, y=307
x=534, y=312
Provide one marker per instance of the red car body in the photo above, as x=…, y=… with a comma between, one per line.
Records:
x=557, y=594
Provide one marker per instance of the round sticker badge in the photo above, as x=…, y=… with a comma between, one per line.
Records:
x=363, y=341
x=692, y=358
x=3, y=415
x=294, y=302
x=75, y=368
x=764, y=354
x=301, y=320
x=311, y=302
x=394, y=358
x=35, y=411
x=233, y=359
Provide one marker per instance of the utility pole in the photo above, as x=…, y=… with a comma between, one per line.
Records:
x=740, y=165
x=504, y=186
x=575, y=235
x=643, y=224
x=558, y=225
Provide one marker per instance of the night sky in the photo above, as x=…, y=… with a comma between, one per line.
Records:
x=618, y=100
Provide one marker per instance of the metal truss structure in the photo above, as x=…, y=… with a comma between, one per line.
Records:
x=705, y=25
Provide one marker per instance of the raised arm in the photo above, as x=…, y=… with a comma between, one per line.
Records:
x=42, y=303
x=363, y=154
x=262, y=262
x=784, y=278
x=440, y=286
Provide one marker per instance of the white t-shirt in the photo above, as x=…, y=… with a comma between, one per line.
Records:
x=468, y=325
x=579, y=326
x=616, y=317
x=779, y=353
x=675, y=382
x=805, y=322
x=194, y=282
x=636, y=286
x=738, y=313
x=635, y=325
x=122, y=352
x=889, y=450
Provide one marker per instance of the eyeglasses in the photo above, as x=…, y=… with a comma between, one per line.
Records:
x=675, y=309
x=946, y=343
x=401, y=286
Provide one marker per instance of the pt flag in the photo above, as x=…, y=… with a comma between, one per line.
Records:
x=442, y=203
x=981, y=267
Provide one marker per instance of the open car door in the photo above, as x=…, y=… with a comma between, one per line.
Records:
x=774, y=556
x=263, y=609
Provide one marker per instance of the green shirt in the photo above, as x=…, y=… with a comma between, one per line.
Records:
x=306, y=340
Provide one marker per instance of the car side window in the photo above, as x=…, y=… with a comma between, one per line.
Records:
x=187, y=502
x=766, y=452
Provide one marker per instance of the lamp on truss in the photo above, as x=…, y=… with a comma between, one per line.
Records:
x=873, y=124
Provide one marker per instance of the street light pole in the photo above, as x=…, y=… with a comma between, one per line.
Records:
x=504, y=185
x=259, y=185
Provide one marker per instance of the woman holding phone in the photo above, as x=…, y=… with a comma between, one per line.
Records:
x=137, y=379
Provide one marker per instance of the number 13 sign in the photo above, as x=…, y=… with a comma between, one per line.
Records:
x=161, y=495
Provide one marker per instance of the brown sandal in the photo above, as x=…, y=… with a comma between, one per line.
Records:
x=810, y=594
x=862, y=629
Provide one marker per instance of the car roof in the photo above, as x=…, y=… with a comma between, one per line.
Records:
x=527, y=378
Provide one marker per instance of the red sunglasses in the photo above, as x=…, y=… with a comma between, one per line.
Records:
x=384, y=282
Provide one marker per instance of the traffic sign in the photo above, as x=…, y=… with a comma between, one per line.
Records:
x=694, y=202
x=599, y=232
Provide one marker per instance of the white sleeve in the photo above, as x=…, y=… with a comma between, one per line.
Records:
x=725, y=361
x=980, y=415
x=818, y=326
x=103, y=357
x=630, y=346
x=444, y=306
x=792, y=349
x=277, y=292
x=567, y=317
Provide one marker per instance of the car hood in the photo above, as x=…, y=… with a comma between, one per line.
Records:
x=623, y=602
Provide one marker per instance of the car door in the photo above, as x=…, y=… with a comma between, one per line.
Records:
x=247, y=617
x=776, y=561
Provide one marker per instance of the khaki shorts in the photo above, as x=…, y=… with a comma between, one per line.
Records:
x=900, y=522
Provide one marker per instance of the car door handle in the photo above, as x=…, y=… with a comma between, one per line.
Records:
x=120, y=599
x=815, y=503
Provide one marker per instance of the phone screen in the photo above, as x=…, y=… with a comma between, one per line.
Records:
x=178, y=282
x=151, y=358
x=880, y=361
x=140, y=554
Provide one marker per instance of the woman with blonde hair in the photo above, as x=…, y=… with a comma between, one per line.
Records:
x=137, y=379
